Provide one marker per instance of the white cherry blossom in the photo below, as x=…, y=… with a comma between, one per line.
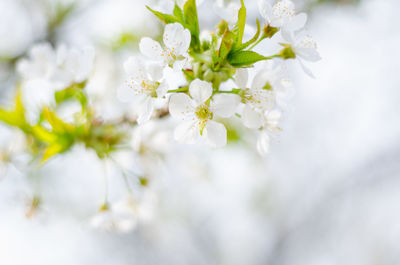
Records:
x=198, y=112
x=262, y=94
x=176, y=44
x=305, y=48
x=282, y=15
x=73, y=66
x=270, y=125
x=146, y=81
x=229, y=12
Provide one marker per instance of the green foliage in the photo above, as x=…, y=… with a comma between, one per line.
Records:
x=240, y=25
x=252, y=40
x=73, y=92
x=187, y=18
x=16, y=116
x=245, y=58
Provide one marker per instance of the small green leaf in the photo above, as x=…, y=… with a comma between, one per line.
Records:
x=164, y=17
x=178, y=12
x=52, y=150
x=239, y=27
x=56, y=123
x=252, y=40
x=226, y=45
x=192, y=23
x=245, y=58
x=43, y=135
x=75, y=91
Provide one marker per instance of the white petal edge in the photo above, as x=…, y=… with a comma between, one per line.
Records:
x=145, y=110
x=180, y=106
x=150, y=48
x=215, y=134
x=263, y=143
x=241, y=78
x=251, y=118
x=200, y=91
x=188, y=132
x=225, y=105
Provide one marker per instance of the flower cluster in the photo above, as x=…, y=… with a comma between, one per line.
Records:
x=205, y=80
x=209, y=64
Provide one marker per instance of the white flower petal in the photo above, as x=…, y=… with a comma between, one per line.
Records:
x=215, y=134
x=155, y=70
x=179, y=65
x=225, y=105
x=180, y=106
x=265, y=10
x=172, y=35
x=187, y=132
x=306, y=69
x=145, y=110
x=263, y=143
x=151, y=48
x=162, y=89
x=135, y=68
x=176, y=37
x=200, y=90
x=273, y=117
x=308, y=54
x=297, y=22
x=241, y=78
x=251, y=118
x=260, y=80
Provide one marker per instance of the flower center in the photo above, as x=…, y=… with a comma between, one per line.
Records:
x=308, y=42
x=259, y=98
x=283, y=9
x=149, y=88
x=204, y=114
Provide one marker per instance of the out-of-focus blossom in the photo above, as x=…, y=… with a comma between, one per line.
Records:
x=198, y=113
x=305, y=48
x=46, y=71
x=229, y=12
x=146, y=82
x=270, y=124
x=282, y=15
x=124, y=215
x=262, y=94
x=73, y=66
x=174, y=53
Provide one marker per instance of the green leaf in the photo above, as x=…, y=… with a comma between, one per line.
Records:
x=178, y=12
x=192, y=23
x=15, y=117
x=239, y=27
x=43, y=135
x=226, y=44
x=164, y=17
x=75, y=91
x=56, y=123
x=53, y=150
x=252, y=40
x=245, y=58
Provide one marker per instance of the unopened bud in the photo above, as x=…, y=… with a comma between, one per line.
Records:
x=222, y=27
x=287, y=52
x=269, y=31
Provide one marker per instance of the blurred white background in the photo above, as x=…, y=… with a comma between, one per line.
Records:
x=327, y=194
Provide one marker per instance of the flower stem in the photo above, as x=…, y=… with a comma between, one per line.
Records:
x=233, y=91
x=257, y=42
x=183, y=89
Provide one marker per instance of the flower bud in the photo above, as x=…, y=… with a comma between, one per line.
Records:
x=287, y=52
x=269, y=32
x=222, y=27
